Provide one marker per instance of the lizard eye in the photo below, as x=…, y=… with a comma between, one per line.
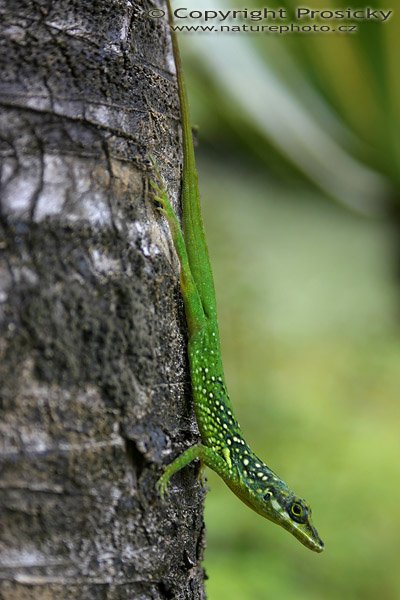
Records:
x=298, y=512
x=268, y=495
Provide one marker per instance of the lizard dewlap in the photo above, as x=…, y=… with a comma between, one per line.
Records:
x=223, y=447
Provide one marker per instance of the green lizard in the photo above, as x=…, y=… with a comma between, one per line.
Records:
x=223, y=447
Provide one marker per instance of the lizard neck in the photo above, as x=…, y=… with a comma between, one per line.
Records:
x=217, y=422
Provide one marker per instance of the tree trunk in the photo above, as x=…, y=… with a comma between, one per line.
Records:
x=95, y=393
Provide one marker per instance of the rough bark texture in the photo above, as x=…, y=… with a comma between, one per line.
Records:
x=94, y=375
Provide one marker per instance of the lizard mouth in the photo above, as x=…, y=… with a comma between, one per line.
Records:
x=317, y=545
x=309, y=538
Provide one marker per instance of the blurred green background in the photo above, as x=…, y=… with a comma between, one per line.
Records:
x=299, y=174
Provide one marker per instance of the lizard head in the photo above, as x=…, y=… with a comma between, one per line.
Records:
x=278, y=504
x=263, y=491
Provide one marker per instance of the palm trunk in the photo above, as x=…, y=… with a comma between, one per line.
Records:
x=94, y=375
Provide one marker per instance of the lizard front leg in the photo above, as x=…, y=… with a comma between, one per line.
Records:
x=207, y=456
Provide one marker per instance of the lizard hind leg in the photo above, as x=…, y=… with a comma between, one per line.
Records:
x=193, y=305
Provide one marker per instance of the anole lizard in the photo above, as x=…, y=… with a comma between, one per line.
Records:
x=223, y=447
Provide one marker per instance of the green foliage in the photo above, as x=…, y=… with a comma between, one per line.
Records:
x=326, y=105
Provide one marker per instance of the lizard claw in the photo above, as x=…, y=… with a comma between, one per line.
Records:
x=158, y=187
x=162, y=485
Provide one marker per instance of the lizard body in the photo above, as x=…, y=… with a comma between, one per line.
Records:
x=223, y=447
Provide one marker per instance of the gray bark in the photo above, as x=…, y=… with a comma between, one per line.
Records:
x=95, y=395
